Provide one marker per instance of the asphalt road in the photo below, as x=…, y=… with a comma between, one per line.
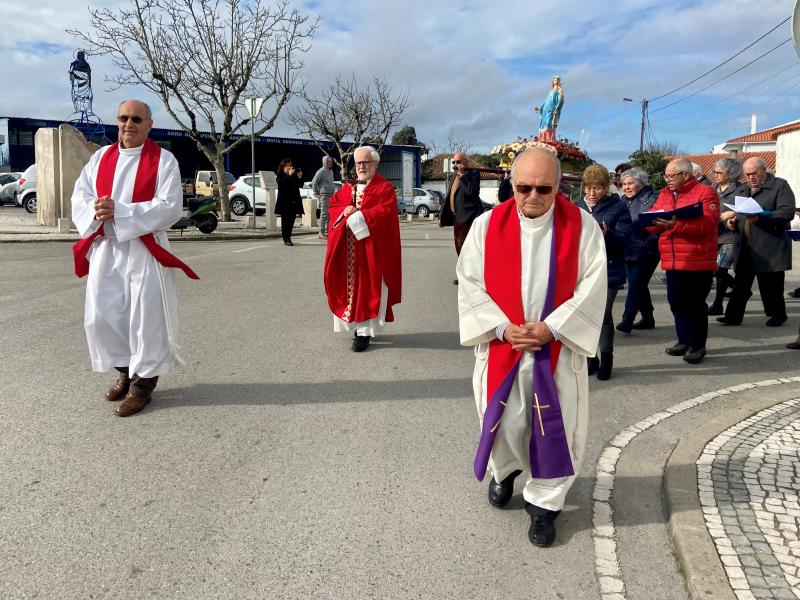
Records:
x=278, y=464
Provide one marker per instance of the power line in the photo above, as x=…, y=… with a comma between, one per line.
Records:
x=726, y=99
x=787, y=40
x=720, y=64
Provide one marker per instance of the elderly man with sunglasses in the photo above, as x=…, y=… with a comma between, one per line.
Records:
x=127, y=195
x=532, y=293
x=463, y=204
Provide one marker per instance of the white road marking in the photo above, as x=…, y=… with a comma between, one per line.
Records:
x=250, y=248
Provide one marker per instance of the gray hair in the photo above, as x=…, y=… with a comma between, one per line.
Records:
x=326, y=158
x=697, y=170
x=762, y=164
x=373, y=153
x=147, y=110
x=684, y=165
x=550, y=153
x=731, y=166
x=637, y=175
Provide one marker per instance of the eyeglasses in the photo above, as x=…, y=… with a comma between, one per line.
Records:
x=753, y=174
x=135, y=118
x=674, y=175
x=720, y=173
x=457, y=162
x=364, y=163
x=542, y=190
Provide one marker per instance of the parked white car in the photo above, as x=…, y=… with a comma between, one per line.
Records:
x=240, y=195
x=26, y=195
x=9, y=188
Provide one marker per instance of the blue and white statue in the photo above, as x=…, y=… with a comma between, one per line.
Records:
x=550, y=112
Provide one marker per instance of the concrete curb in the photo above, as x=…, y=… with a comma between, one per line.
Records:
x=694, y=548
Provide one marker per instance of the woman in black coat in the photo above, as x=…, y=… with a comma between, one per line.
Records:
x=641, y=256
x=289, y=203
x=612, y=214
x=727, y=172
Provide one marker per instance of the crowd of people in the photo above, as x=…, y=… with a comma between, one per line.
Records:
x=537, y=280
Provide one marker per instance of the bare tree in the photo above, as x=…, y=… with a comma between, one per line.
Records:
x=349, y=116
x=203, y=58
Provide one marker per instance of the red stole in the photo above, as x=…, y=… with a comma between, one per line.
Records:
x=503, y=275
x=144, y=189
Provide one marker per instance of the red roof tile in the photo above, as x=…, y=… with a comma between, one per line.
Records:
x=706, y=161
x=768, y=135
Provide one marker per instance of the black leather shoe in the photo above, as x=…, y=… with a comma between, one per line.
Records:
x=793, y=345
x=592, y=364
x=625, y=326
x=455, y=281
x=727, y=321
x=775, y=321
x=795, y=293
x=500, y=493
x=606, y=364
x=677, y=350
x=694, y=356
x=714, y=311
x=646, y=322
x=361, y=343
x=542, y=531
x=289, y=243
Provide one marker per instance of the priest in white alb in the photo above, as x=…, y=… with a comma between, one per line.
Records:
x=127, y=196
x=531, y=295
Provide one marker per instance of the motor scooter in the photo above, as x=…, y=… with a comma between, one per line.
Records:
x=202, y=213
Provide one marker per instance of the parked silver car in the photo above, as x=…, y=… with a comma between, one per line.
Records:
x=9, y=188
x=425, y=202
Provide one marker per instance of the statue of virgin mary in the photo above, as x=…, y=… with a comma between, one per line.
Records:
x=550, y=111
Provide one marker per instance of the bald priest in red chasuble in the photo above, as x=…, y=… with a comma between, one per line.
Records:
x=363, y=272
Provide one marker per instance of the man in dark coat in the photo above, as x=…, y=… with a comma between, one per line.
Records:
x=463, y=202
x=766, y=252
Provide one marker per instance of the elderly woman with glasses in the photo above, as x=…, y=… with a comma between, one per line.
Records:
x=641, y=255
x=614, y=219
x=727, y=172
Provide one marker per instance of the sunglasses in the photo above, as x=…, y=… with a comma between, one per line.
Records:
x=542, y=190
x=135, y=118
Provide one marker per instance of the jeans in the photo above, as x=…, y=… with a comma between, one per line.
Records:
x=607, y=330
x=324, y=219
x=686, y=293
x=638, y=300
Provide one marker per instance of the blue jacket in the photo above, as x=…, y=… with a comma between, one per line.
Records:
x=613, y=212
x=644, y=245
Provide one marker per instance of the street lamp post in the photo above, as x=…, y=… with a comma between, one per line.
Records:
x=644, y=119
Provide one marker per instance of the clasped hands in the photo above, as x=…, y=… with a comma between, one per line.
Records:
x=528, y=336
x=348, y=210
x=104, y=208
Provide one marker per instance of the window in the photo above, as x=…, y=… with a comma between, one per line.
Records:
x=26, y=138
x=248, y=181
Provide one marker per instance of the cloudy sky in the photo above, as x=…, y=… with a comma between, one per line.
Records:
x=477, y=69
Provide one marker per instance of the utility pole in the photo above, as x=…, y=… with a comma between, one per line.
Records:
x=644, y=103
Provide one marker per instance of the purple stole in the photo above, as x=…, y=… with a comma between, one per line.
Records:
x=549, y=450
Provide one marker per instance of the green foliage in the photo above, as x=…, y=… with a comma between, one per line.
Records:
x=487, y=160
x=651, y=162
x=407, y=136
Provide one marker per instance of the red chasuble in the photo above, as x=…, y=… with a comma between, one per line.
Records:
x=144, y=189
x=353, y=283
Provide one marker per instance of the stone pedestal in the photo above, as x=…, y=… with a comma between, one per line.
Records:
x=270, y=186
x=409, y=217
x=310, y=212
x=60, y=156
x=64, y=225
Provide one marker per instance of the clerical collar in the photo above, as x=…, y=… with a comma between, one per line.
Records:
x=136, y=150
x=542, y=219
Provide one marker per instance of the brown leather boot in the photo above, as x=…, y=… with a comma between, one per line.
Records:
x=120, y=387
x=139, y=396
